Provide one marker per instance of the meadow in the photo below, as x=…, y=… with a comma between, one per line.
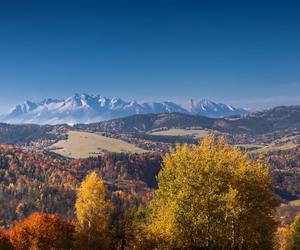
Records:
x=84, y=144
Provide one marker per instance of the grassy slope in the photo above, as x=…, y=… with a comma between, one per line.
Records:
x=284, y=143
x=84, y=144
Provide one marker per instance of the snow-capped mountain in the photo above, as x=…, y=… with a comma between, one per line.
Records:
x=83, y=108
x=208, y=108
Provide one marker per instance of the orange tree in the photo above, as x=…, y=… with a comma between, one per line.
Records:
x=42, y=231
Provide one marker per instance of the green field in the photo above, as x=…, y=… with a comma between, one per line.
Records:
x=84, y=144
x=198, y=133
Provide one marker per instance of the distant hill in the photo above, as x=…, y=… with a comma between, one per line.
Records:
x=93, y=108
x=22, y=134
x=146, y=122
x=267, y=121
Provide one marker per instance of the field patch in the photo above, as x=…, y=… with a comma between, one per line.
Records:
x=295, y=203
x=198, y=133
x=84, y=144
x=284, y=143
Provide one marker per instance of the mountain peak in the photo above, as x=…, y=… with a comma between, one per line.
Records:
x=85, y=108
x=209, y=108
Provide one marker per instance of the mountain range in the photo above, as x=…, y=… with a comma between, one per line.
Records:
x=83, y=108
x=267, y=124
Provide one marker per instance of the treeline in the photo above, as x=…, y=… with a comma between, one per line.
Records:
x=210, y=196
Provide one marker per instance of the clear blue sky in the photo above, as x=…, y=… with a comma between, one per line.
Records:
x=245, y=53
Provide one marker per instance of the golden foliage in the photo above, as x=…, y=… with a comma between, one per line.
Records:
x=92, y=211
x=284, y=239
x=212, y=195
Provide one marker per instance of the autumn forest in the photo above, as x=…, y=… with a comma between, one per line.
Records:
x=208, y=196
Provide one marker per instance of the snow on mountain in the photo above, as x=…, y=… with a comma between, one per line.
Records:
x=83, y=108
x=208, y=108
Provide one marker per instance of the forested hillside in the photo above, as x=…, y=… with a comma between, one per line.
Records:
x=31, y=181
x=211, y=195
x=286, y=172
x=24, y=134
x=45, y=182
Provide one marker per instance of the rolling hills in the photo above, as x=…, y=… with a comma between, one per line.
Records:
x=267, y=121
x=273, y=129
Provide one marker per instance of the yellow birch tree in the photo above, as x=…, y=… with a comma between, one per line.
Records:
x=211, y=196
x=92, y=211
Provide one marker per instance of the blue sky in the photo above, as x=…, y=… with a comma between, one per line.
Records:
x=245, y=53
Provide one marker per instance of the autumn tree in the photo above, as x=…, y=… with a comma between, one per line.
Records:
x=92, y=211
x=211, y=196
x=295, y=233
x=284, y=239
x=41, y=232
